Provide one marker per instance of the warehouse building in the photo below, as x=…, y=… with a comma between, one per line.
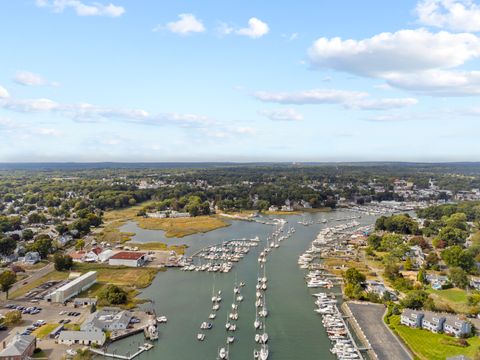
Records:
x=73, y=288
x=128, y=258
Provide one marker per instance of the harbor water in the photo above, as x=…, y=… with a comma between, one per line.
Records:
x=295, y=330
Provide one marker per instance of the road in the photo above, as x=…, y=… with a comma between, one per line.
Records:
x=35, y=276
x=384, y=343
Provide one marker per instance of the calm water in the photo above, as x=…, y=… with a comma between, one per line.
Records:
x=295, y=331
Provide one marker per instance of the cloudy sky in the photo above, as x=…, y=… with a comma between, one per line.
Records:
x=214, y=80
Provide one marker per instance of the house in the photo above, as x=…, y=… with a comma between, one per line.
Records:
x=105, y=255
x=128, y=258
x=89, y=337
x=379, y=289
x=31, y=258
x=433, y=321
x=21, y=347
x=412, y=318
x=475, y=283
x=416, y=255
x=457, y=327
x=92, y=255
x=109, y=318
x=436, y=281
x=64, y=240
x=78, y=256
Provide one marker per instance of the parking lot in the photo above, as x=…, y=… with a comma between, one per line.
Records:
x=370, y=318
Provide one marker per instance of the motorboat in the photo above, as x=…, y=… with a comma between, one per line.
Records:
x=223, y=353
x=162, y=319
x=230, y=339
x=200, y=337
x=206, y=325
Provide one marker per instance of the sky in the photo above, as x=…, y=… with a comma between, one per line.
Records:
x=239, y=80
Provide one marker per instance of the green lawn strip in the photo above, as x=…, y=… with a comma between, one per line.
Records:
x=44, y=330
x=454, y=298
x=430, y=346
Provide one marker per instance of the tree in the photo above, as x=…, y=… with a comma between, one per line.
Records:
x=7, y=279
x=374, y=241
x=452, y=236
x=391, y=241
x=112, y=295
x=80, y=244
x=62, y=262
x=414, y=299
x=455, y=256
x=431, y=260
x=27, y=234
x=392, y=271
x=458, y=277
x=408, y=264
x=422, y=276
x=42, y=245
x=353, y=291
x=7, y=246
x=13, y=317
x=353, y=276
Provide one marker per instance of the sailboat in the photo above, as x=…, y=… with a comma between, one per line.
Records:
x=223, y=353
x=264, y=312
x=263, y=355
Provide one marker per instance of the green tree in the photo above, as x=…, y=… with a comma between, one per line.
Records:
x=353, y=291
x=458, y=277
x=414, y=299
x=392, y=271
x=62, y=262
x=408, y=264
x=80, y=244
x=374, y=241
x=353, y=276
x=7, y=279
x=7, y=246
x=112, y=295
x=27, y=234
x=455, y=256
x=42, y=245
x=422, y=276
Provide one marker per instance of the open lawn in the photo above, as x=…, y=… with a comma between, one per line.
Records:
x=54, y=275
x=44, y=330
x=430, y=346
x=455, y=299
x=179, y=249
x=180, y=227
x=120, y=275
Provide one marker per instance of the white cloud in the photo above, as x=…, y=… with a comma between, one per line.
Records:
x=315, y=96
x=439, y=82
x=457, y=15
x=3, y=93
x=416, y=60
x=187, y=24
x=348, y=99
x=28, y=78
x=288, y=114
x=256, y=28
x=402, y=51
x=47, y=132
x=84, y=112
x=82, y=9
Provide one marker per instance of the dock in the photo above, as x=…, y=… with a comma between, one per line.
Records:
x=141, y=349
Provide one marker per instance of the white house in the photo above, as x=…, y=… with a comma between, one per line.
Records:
x=128, y=258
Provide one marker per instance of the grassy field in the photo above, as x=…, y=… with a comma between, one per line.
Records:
x=429, y=346
x=173, y=227
x=455, y=299
x=179, y=249
x=54, y=275
x=120, y=275
x=44, y=330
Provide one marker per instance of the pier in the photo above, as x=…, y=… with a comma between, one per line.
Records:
x=141, y=349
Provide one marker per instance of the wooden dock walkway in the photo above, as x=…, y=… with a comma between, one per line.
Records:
x=113, y=355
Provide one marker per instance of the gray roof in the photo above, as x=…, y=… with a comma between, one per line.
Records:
x=410, y=312
x=104, y=318
x=431, y=316
x=96, y=335
x=18, y=345
x=458, y=357
x=452, y=320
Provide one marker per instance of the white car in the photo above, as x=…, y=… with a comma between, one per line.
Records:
x=71, y=352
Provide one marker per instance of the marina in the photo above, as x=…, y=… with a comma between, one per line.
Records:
x=291, y=331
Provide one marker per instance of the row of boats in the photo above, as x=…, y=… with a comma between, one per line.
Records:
x=343, y=345
x=221, y=257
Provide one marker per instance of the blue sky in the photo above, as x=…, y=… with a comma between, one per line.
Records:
x=340, y=80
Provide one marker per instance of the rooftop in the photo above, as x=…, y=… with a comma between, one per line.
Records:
x=128, y=255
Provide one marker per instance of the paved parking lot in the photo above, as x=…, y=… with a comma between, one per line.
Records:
x=370, y=318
